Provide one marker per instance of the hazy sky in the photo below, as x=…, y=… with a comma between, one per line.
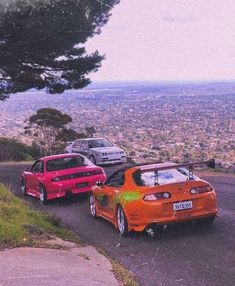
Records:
x=168, y=40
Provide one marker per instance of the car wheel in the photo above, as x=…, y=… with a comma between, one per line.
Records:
x=122, y=221
x=23, y=186
x=92, y=159
x=42, y=195
x=92, y=205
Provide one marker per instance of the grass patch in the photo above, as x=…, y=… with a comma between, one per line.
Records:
x=124, y=276
x=20, y=225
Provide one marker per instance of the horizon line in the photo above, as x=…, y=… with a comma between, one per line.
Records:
x=165, y=81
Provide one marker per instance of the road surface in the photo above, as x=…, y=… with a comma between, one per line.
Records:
x=183, y=254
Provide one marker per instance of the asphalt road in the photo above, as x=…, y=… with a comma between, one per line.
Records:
x=184, y=254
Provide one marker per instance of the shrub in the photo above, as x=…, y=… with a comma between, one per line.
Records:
x=13, y=150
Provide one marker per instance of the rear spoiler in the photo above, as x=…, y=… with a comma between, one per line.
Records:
x=154, y=167
x=190, y=166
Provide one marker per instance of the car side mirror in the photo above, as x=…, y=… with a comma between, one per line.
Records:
x=27, y=169
x=99, y=184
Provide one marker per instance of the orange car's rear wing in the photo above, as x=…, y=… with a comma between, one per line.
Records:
x=158, y=167
x=161, y=167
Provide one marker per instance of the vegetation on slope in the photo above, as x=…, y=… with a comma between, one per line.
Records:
x=14, y=150
x=20, y=225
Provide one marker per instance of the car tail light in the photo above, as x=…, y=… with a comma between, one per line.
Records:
x=97, y=172
x=157, y=196
x=56, y=179
x=79, y=175
x=201, y=189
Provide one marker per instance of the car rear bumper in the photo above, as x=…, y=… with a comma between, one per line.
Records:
x=163, y=213
x=72, y=187
x=140, y=226
x=66, y=192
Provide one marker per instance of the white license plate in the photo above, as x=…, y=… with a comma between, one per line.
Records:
x=182, y=206
x=82, y=185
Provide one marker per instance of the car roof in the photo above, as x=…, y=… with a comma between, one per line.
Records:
x=47, y=158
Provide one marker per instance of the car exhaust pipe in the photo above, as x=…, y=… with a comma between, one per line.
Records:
x=150, y=231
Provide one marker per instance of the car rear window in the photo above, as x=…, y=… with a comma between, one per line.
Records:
x=97, y=143
x=66, y=163
x=164, y=177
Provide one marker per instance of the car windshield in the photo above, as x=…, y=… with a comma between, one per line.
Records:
x=96, y=143
x=162, y=178
x=66, y=163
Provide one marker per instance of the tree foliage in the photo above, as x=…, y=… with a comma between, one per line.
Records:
x=90, y=131
x=45, y=128
x=42, y=43
x=13, y=150
x=68, y=134
x=48, y=129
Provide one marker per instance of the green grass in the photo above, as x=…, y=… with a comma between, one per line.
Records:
x=20, y=225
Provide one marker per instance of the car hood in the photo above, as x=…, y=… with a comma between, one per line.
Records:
x=107, y=149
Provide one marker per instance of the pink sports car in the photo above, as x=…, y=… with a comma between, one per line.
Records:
x=60, y=175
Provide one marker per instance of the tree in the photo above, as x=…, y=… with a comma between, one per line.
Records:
x=69, y=135
x=90, y=131
x=45, y=128
x=42, y=43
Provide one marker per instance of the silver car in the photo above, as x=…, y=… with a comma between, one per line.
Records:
x=98, y=150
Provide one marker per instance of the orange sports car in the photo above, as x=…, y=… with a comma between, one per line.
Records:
x=143, y=197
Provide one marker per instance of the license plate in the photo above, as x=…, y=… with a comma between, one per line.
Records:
x=182, y=206
x=82, y=185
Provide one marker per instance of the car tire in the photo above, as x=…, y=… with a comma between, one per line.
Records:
x=23, y=186
x=42, y=195
x=122, y=223
x=92, y=159
x=92, y=206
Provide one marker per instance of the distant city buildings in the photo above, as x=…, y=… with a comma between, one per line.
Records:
x=152, y=123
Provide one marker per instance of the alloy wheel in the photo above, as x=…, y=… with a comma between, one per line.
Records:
x=42, y=195
x=23, y=187
x=121, y=221
x=92, y=205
